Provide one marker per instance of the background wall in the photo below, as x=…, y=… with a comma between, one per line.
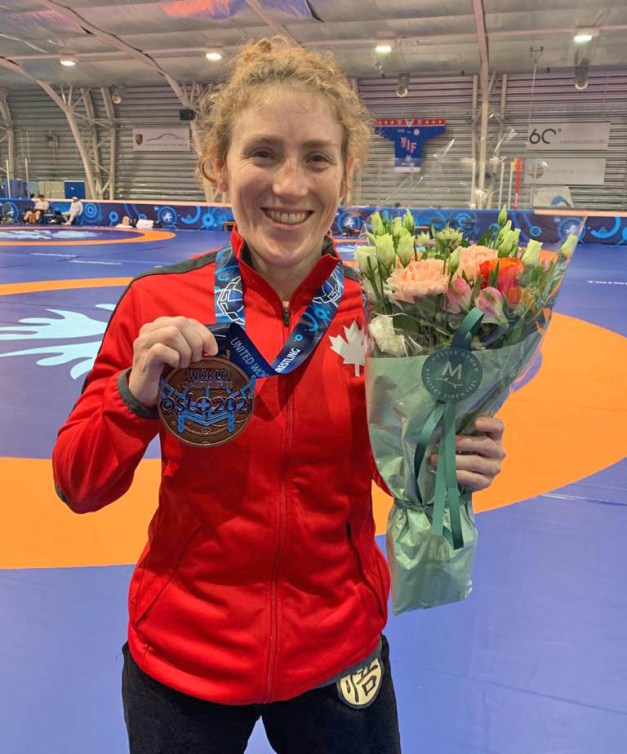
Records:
x=44, y=139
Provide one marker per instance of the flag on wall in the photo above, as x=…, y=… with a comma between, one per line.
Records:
x=409, y=135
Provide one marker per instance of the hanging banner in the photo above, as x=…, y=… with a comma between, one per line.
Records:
x=223, y=9
x=565, y=171
x=555, y=137
x=409, y=135
x=173, y=139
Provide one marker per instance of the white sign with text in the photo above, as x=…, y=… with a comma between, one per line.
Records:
x=174, y=139
x=570, y=137
x=563, y=171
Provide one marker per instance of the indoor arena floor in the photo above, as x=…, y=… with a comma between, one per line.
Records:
x=533, y=662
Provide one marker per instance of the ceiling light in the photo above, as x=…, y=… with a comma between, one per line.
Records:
x=583, y=36
x=68, y=59
x=383, y=48
x=213, y=55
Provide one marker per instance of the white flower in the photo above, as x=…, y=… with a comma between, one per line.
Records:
x=381, y=328
x=363, y=254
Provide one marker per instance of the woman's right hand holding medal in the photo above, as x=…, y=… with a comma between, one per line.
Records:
x=173, y=342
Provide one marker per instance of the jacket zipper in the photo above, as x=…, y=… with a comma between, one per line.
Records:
x=278, y=560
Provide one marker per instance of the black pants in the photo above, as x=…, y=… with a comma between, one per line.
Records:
x=160, y=720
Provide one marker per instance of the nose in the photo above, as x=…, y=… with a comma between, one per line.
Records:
x=290, y=180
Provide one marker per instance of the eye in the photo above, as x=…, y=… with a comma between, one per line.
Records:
x=319, y=159
x=261, y=153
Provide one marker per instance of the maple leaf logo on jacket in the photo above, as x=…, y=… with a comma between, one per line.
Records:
x=352, y=349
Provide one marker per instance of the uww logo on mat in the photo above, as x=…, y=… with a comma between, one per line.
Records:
x=62, y=330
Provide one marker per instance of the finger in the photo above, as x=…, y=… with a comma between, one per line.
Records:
x=472, y=467
x=488, y=467
x=490, y=425
x=170, y=336
x=482, y=445
x=472, y=481
x=143, y=380
x=159, y=356
x=474, y=464
x=209, y=343
x=199, y=338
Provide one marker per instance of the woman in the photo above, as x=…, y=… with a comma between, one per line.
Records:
x=261, y=592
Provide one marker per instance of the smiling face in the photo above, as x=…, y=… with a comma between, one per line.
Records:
x=285, y=176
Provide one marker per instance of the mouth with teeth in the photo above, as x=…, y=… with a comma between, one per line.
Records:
x=284, y=217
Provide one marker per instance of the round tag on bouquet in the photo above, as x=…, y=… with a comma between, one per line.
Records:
x=452, y=374
x=207, y=403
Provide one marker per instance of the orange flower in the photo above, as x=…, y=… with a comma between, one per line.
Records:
x=513, y=296
x=509, y=270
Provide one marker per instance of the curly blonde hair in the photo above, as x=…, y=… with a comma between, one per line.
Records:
x=269, y=62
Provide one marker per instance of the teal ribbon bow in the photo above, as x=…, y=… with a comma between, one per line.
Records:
x=444, y=412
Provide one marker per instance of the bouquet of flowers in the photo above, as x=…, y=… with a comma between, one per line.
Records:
x=453, y=326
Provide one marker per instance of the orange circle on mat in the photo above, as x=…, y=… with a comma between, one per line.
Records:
x=559, y=430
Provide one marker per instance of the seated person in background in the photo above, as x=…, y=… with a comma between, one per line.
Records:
x=29, y=211
x=42, y=205
x=75, y=211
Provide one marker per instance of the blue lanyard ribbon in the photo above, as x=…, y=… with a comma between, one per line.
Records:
x=230, y=320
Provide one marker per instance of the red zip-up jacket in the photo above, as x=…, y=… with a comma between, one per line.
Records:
x=261, y=578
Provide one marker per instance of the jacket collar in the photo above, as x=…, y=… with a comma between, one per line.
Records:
x=303, y=294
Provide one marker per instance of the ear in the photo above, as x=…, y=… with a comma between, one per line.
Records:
x=222, y=178
x=215, y=174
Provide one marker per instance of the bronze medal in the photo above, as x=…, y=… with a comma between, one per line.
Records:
x=208, y=403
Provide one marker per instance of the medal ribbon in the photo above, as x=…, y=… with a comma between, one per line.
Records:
x=446, y=488
x=230, y=321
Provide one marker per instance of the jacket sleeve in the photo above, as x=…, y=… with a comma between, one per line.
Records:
x=107, y=433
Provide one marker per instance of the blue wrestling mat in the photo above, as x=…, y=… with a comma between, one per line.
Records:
x=531, y=663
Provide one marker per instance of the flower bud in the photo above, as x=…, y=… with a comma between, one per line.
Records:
x=397, y=226
x=531, y=255
x=503, y=232
x=453, y=261
x=459, y=296
x=502, y=219
x=508, y=245
x=568, y=247
x=405, y=249
x=385, y=250
x=377, y=224
x=408, y=222
x=423, y=239
x=490, y=302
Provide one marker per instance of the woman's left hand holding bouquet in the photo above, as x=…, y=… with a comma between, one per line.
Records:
x=479, y=456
